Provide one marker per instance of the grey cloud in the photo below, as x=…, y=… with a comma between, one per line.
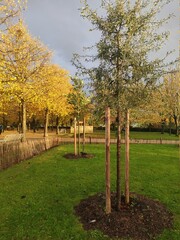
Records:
x=59, y=25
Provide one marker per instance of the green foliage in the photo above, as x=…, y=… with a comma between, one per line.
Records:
x=124, y=72
x=170, y=93
x=78, y=99
x=37, y=196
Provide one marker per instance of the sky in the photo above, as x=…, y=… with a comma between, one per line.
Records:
x=59, y=25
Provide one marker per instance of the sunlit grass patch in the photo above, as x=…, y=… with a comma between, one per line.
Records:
x=38, y=196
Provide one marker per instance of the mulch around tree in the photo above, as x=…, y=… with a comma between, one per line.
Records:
x=142, y=219
x=81, y=155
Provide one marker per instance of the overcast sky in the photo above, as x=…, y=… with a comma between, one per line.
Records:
x=59, y=26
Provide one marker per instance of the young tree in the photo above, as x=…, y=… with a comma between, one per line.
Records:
x=77, y=98
x=124, y=69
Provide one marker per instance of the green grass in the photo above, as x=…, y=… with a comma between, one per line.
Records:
x=37, y=196
x=153, y=135
x=133, y=135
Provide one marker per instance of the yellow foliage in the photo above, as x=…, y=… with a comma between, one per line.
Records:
x=54, y=87
x=23, y=58
x=10, y=11
x=164, y=103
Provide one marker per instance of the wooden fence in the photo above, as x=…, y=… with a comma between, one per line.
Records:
x=113, y=141
x=15, y=152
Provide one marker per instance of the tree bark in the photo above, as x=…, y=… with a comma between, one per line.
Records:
x=176, y=124
x=170, y=125
x=57, y=125
x=108, y=183
x=23, y=120
x=46, y=122
x=20, y=119
x=118, y=181
x=127, y=158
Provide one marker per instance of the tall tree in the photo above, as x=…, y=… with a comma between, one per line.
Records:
x=54, y=87
x=124, y=69
x=10, y=12
x=170, y=91
x=162, y=105
x=24, y=58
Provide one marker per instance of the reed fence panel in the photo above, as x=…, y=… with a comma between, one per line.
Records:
x=15, y=152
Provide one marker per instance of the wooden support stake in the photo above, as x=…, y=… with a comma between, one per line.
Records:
x=108, y=190
x=84, y=133
x=79, y=137
x=75, y=145
x=127, y=158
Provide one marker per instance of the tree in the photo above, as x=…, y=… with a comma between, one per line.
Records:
x=54, y=88
x=79, y=101
x=170, y=91
x=149, y=112
x=24, y=58
x=10, y=10
x=162, y=104
x=124, y=72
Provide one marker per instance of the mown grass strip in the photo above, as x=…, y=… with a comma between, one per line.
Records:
x=38, y=196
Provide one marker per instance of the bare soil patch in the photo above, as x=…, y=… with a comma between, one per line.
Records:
x=81, y=155
x=142, y=219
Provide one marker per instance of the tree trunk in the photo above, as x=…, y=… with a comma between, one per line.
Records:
x=46, y=122
x=33, y=124
x=127, y=158
x=108, y=184
x=176, y=124
x=170, y=125
x=23, y=120
x=84, y=133
x=75, y=146
x=20, y=119
x=57, y=125
x=118, y=181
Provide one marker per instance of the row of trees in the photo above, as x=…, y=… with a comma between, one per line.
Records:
x=161, y=110
x=28, y=79
x=31, y=86
x=163, y=106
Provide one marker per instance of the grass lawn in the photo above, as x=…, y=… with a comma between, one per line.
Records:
x=100, y=134
x=37, y=196
x=136, y=135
